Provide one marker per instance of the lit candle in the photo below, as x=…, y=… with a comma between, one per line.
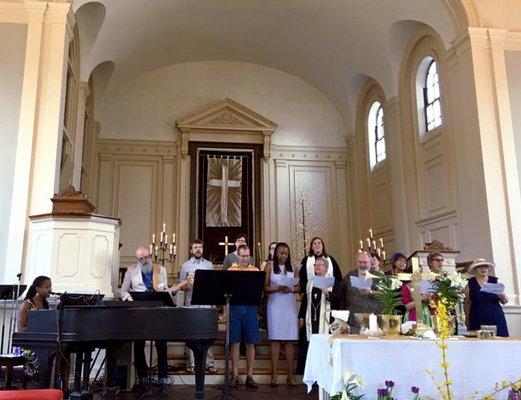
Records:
x=174, y=250
x=374, y=244
x=161, y=238
x=371, y=233
x=373, y=323
x=154, y=238
x=173, y=238
x=368, y=243
x=383, y=255
x=378, y=252
x=361, y=245
x=150, y=250
x=164, y=227
x=171, y=249
x=166, y=239
x=156, y=250
x=381, y=242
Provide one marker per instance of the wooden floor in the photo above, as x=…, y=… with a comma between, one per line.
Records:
x=264, y=392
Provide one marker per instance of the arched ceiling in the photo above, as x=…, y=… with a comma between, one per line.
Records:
x=331, y=44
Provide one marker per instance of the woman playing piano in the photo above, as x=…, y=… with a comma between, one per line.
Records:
x=35, y=299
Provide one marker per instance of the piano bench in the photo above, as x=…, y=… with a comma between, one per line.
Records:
x=36, y=394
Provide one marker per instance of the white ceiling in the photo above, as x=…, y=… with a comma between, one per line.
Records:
x=332, y=44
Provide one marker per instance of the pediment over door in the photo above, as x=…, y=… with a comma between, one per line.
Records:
x=226, y=121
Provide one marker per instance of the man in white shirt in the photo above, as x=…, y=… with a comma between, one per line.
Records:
x=187, y=273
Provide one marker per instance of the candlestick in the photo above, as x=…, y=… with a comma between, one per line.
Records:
x=173, y=238
x=370, y=233
x=415, y=265
x=171, y=251
x=373, y=323
x=156, y=251
x=374, y=244
x=161, y=238
x=378, y=252
x=166, y=239
x=361, y=245
x=151, y=249
x=368, y=243
x=383, y=255
x=381, y=242
x=174, y=251
x=153, y=239
x=164, y=227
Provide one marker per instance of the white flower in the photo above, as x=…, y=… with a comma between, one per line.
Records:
x=358, y=381
x=396, y=284
x=347, y=377
x=369, y=275
x=456, y=280
x=344, y=395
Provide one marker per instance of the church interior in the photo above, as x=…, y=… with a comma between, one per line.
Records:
x=284, y=120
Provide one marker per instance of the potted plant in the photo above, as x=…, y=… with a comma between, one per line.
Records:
x=448, y=289
x=388, y=296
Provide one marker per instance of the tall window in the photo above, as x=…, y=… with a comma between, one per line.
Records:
x=431, y=96
x=376, y=134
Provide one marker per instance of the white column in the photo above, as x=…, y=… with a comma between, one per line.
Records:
x=183, y=210
x=489, y=193
x=393, y=139
x=43, y=71
x=284, y=211
x=344, y=242
x=83, y=93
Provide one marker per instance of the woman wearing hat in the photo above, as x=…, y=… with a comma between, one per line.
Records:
x=483, y=308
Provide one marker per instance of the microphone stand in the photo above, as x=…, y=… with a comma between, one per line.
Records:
x=15, y=296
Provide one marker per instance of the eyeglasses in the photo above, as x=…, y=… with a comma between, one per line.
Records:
x=144, y=258
x=438, y=259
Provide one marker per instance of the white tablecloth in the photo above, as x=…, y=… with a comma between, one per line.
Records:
x=474, y=364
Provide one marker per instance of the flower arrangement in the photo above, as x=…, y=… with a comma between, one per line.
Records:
x=450, y=289
x=387, y=291
x=31, y=365
x=386, y=393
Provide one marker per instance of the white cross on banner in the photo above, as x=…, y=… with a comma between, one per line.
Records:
x=223, y=192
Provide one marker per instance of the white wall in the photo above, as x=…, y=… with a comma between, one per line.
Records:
x=513, y=64
x=147, y=107
x=12, y=56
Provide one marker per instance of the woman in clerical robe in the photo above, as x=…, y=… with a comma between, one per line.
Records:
x=313, y=306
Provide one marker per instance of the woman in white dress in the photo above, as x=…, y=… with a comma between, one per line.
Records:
x=281, y=311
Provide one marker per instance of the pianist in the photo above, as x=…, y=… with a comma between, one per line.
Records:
x=141, y=277
x=35, y=299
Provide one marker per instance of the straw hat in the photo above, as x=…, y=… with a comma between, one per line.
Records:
x=477, y=262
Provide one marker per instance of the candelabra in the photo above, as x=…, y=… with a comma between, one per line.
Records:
x=372, y=248
x=159, y=250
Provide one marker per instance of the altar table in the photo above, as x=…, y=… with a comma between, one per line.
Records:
x=475, y=365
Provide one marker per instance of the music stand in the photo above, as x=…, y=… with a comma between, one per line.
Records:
x=166, y=299
x=9, y=292
x=238, y=288
x=80, y=299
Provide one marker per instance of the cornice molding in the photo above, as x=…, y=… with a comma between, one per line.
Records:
x=136, y=147
x=308, y=153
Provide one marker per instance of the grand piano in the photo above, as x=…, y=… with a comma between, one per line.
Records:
x=81, y=329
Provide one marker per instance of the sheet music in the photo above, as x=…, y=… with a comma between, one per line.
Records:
x=323, y=282
x=288, y=281
x=360, y=283
x=494, y=288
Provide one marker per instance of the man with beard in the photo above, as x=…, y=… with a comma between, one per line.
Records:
x=187, y=273
x=146, y=277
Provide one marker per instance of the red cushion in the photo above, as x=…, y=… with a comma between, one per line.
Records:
x=40, y=394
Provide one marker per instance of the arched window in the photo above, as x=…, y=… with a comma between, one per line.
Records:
x=431, y=96
x=376, y=134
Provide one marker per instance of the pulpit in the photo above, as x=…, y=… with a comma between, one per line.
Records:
x=75, y=247
x=449, y=256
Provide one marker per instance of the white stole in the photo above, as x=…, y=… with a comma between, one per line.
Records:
x=310, y=266
x=323, y=324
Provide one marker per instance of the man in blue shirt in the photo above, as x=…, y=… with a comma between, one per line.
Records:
x=187, y=273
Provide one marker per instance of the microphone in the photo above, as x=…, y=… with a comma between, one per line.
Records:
x=56, y=293
x=19, y=275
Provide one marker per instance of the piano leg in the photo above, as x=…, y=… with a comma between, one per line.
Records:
x=78, y=393
x=200, y=348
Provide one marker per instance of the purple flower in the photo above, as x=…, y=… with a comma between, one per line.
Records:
x=415, y=389
x=389, y=384
x=385, y=392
